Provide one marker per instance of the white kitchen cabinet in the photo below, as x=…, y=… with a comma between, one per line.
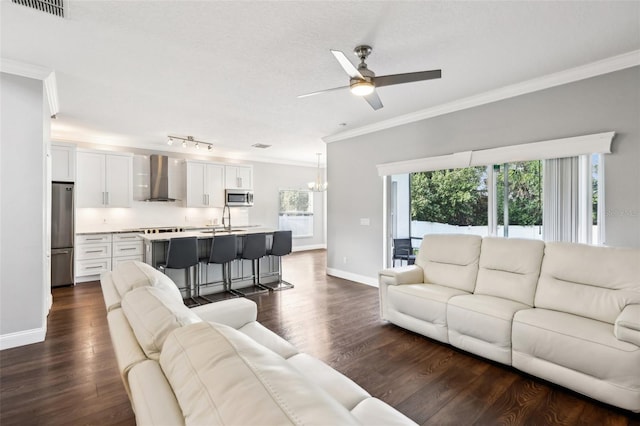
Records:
x=238, y=177
x=104, y=180
x=205, y=184
x=93, y=255
x=126, y=246
x=63, y=162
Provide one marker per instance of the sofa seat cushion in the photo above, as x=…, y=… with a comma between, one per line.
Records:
x=339, y=386
x=481, y=325
x=132, y=274
x=221, y=377
x=153, y=313
x=427, y=302
x=581, y=344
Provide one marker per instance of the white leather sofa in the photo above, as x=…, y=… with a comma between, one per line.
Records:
x=568, y=313
x=216, y=365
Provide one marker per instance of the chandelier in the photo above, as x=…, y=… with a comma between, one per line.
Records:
x=319, y=185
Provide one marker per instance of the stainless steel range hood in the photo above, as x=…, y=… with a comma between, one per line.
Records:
x=159, y=184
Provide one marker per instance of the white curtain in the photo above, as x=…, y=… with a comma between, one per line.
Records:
x=566, y=214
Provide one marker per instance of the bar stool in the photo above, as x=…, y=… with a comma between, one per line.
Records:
x=224, y=250
x=183, y=254
x=254, y=247
x=281, y=246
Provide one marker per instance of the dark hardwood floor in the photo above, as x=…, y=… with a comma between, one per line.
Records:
x=72, y=377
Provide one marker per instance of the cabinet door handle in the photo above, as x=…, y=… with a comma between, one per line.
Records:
x=93, y=239
x=128, y=248
x=129, y=238
x=204, y=199
x=239, y=182
x=107, y=203
x=94, y=267
x=94, y=251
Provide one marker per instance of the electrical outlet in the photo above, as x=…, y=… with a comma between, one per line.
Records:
x=104, y=220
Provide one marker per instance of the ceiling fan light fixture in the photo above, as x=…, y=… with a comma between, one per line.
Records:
x=362, y=88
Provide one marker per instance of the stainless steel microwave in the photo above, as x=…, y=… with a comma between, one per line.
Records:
x=238, y=198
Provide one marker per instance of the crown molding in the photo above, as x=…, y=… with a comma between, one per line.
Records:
x=605, y=66
x=37, y=72
x=215, y=155
x=24, y=69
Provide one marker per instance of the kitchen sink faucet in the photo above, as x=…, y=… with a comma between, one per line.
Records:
x=226, y=224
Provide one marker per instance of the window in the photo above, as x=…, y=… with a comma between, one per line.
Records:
x=449, y=201
x=518, y=189
x=296, y=212
x=554, y=200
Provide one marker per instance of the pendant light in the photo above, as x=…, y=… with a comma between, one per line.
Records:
x=319, y=185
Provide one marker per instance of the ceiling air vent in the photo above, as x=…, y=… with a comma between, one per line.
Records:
x=53, y=7
x=260, y=145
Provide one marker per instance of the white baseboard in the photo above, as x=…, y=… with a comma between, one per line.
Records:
x=309, y=247
x=373, y=282
x=86, y=279
x=21, y=338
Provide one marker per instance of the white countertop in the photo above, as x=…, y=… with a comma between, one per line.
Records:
x=166, y=236
x=111, y=229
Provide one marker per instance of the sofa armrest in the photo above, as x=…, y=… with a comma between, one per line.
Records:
x=412, y=274
x=152, y=397
x=232, y=312
x=109, y=293
x=627, y=325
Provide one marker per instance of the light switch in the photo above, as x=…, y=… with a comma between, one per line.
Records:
x=365, y=221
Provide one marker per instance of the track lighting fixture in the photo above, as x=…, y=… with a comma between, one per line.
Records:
x=189, y=141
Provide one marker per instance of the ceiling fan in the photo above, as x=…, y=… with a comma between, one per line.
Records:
x=363, y=81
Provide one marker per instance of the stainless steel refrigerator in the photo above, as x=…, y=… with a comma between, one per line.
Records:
x=62, y=234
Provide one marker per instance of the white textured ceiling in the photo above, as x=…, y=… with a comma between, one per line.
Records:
x=132, y=72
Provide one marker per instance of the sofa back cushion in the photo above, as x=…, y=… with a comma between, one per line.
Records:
x=222, y=377
x=509, y=268
x=593, y=282
x=132, y=274
x=153, y=313
x=450, y=260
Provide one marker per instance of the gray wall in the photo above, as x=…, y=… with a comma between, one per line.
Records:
x=22, y=212
x=603, y=103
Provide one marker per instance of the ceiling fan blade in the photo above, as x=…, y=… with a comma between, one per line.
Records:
x=374, y=100
x=323, y=91
x=388, y=80
x=346, y=64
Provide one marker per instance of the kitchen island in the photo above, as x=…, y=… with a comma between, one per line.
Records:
x=210, y=278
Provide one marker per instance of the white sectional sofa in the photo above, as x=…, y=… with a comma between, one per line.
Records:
x=568, y=313
x=216, y=365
